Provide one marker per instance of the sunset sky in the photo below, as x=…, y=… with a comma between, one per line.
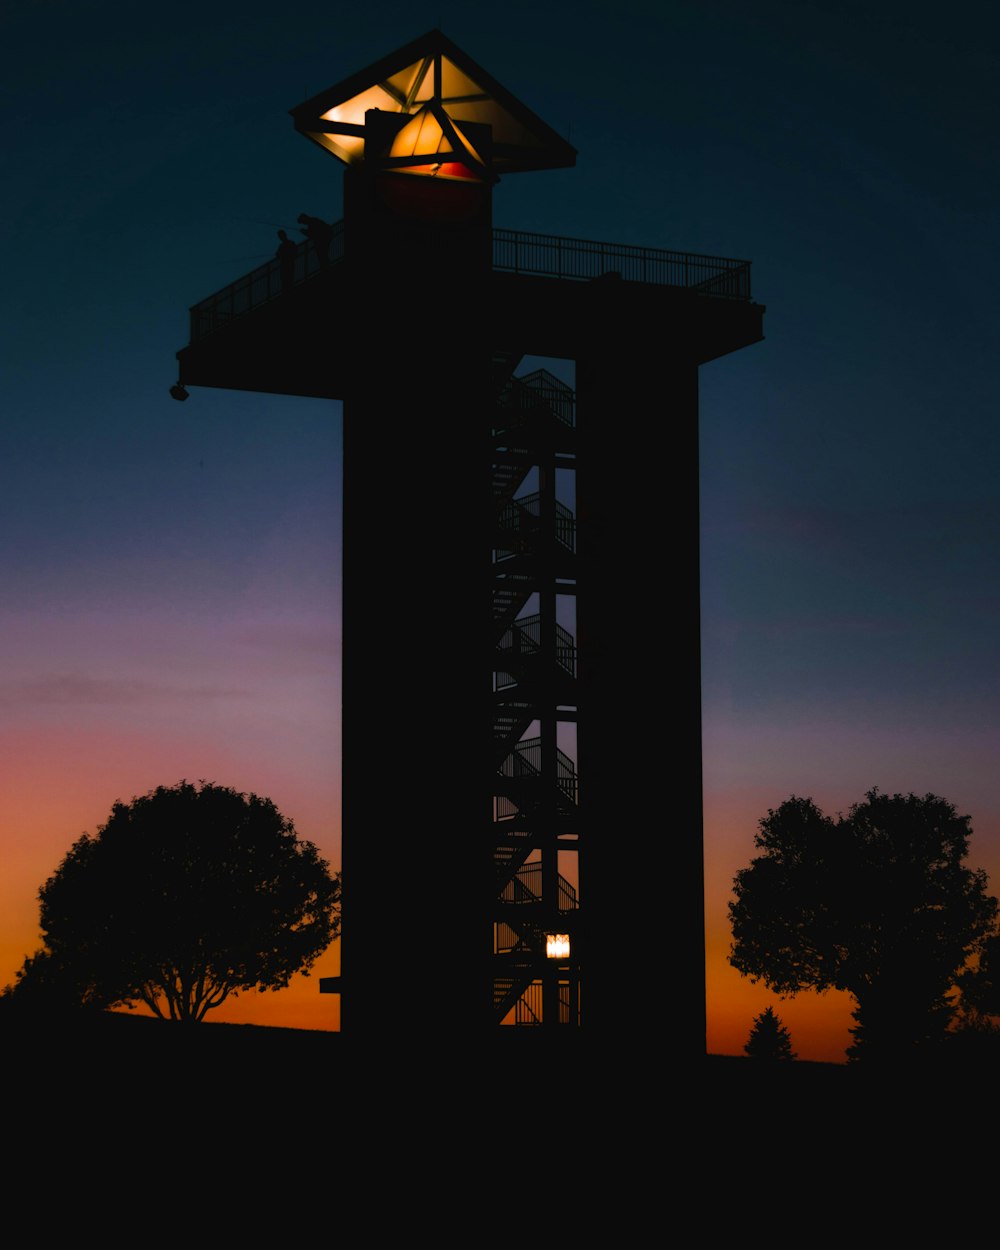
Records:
x=170, y=583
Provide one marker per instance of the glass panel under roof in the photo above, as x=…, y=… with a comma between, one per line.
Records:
x=426, y=91
x=353, y=110
x=464, y=142
x=422, y=136
x=405, y=80
x=349, y=148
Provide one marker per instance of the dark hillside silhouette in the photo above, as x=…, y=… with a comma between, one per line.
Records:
x=877, y=903
x=186, y=896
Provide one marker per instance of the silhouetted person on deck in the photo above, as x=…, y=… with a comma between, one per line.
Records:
x=321, y=234
x=285, y=256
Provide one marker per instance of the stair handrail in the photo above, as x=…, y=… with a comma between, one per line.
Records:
x=523, y=636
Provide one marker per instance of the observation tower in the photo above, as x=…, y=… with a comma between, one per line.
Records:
x=522, y=828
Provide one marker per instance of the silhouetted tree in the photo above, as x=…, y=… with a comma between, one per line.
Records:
x=769, y=1039
x=877, y=903
x=979, y=1004
x=45, y=984
x=186, y=896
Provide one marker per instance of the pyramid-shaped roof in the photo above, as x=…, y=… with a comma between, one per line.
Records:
x=431, y=73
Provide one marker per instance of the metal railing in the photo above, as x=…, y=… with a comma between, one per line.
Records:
x=514, y=251
x=528, y=1008
x=506, y=939
x=510, y=721
x=522, y=397
x=504, y=807
x=548, y=255
x=564, y=1003
x=526, y=887
x=510, y=594
x=508, y=476
x=521, y=517
x=524, y=637
x=525, y=763
x=261, y=285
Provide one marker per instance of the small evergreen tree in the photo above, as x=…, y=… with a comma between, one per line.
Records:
x=769, y=1039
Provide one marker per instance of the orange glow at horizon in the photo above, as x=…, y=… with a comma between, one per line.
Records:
x=818, y=1023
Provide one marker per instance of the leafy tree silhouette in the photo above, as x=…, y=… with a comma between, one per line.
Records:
x=877, y=903
x=979, y=1005
x=185, y=897
x=769, y=1039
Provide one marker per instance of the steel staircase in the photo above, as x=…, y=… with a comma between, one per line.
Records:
x=535, y=665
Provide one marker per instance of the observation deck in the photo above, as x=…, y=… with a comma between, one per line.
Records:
x=268, y=330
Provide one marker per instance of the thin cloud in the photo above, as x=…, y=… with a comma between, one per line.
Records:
x=77, y=690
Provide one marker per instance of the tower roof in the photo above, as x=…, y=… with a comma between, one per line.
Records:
x=433, y=76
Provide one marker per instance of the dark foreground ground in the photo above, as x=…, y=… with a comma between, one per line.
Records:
x=638, y=1118
x=118, y=1052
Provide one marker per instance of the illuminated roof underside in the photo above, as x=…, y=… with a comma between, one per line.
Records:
x=449, y=99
